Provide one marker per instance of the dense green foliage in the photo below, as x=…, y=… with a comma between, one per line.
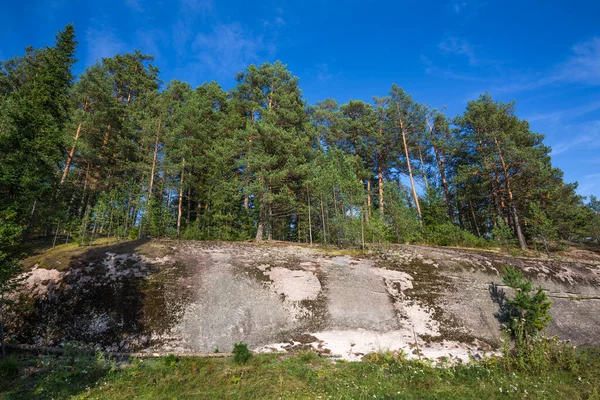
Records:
x=117, y=153
x=241, y=354
x=527, y=313
x=305, y=375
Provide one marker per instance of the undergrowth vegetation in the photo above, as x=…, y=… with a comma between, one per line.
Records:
x=303, y=375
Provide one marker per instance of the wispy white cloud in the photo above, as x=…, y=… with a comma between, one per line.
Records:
x=134, y=5
x=102, y=41
x=589, y=184
x=150, y=41
x=458, y=6
x=452, y=45
x=572, y=112
x=195, y=8
x=277, y=22
x=48, y=9
x=586, y=189
x=584, y=136
x=581, y=66
x=229, y=48
x=447, y=73
x=465, y=8
x=189, y=12
x=323, y=73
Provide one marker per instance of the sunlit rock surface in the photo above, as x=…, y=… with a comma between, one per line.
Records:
x=170, y=296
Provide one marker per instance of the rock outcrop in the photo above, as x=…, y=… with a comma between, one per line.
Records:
x=203, y=296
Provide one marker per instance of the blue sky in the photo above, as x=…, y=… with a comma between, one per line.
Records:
x=543, y=54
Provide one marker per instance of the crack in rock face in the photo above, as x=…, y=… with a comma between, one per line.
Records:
x=203, y=296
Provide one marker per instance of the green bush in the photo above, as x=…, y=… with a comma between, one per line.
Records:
x=504, y=234
x=386, y=357
x=448, y=234
x=527, y=314
x=542, y=354
x=170, y=360
x=241, y=354
x=9, y=368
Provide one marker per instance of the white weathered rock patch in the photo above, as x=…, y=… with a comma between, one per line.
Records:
x=353, y=345
x=295, y=285
x=39, y=280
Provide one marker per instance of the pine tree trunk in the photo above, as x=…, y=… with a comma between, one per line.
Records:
x=368, y=213
x=270, y=223
x=423, y=168
x=380, y=186
x=351, y=207
x=412, y=182
x=309, y=221
x=497, y=202
x=259, y=231
x=179, y=206
x=323, y=220
x=30, y=225
x=380, y=169
x=474, y=219
x=545, y=245
x=55, y=235
x=189, y=206
x=106, y=137
x=154, y=163
x=442, y=168
x=513, y=208
x=335, y=204
x=362, y=229
x=519, y=233
x=70, y=156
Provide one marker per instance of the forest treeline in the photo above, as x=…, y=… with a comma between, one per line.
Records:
x=118, y=153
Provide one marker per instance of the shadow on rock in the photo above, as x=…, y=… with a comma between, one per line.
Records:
x=498, y=296
x=98, y=300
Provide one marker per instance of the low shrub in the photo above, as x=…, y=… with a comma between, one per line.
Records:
x=448, y=234
x=170, y=360
x=385, y=357
x=527, y=314
x=241, y=354
x=9, y=368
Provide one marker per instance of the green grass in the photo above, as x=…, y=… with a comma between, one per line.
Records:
x=59, y=257
x=305, y=375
